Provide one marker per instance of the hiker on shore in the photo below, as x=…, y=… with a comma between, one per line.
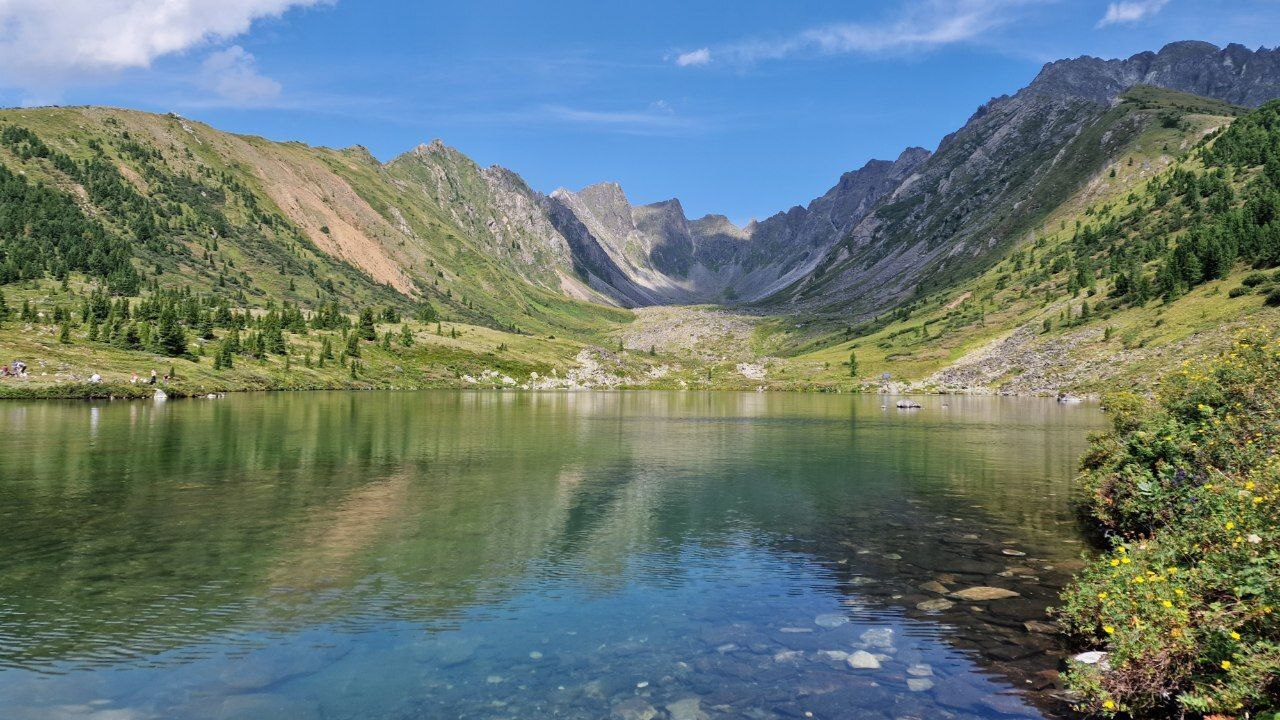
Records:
x=152, y=381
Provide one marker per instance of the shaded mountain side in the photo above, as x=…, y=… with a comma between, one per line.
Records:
x=656, y=255
x=1017, y=158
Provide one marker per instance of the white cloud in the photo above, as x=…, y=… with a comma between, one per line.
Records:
x=1130, y=11
x=48, y=44
x=701, y=56
x=233, y=75
x=918, y=25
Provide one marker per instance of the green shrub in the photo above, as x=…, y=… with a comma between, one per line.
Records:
x=1188, y=489
x=1236, y=292
x=1273, y=297
x=1255, y=278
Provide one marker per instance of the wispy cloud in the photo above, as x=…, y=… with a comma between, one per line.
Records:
x=917, y=25
x=1131, y=11
x=701, y=56
x=659, y=118
x=232, y=74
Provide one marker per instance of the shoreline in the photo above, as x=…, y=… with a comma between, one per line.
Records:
x=28, y=390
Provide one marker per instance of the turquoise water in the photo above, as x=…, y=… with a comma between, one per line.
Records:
x=490, y=555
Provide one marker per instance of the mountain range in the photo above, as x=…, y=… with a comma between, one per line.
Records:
x=162, y=201
x=881, y=231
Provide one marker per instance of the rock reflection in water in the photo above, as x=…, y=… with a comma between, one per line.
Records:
x=630, y=555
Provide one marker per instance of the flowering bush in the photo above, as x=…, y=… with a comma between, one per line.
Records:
x=1188, y=488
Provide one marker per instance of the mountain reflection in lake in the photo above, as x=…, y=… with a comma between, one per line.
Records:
x=490, y=555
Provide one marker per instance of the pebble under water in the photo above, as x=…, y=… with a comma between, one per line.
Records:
x=640, y=556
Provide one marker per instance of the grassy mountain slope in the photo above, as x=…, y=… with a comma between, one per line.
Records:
x=1018, y=326
x=335, y=224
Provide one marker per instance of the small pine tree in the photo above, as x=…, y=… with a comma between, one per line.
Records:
x=170, y=338
x=353, y=345
x=366, y=329
x=4, y=308
x=386, y=340
x=64, y=335
x=406, y=336
x=224, y=360
x=853, y=364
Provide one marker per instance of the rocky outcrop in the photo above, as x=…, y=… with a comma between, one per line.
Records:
x=1233, y=74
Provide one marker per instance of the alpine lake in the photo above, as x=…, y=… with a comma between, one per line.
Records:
x=489, y=555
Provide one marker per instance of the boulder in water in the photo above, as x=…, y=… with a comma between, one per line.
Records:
x=862, y=660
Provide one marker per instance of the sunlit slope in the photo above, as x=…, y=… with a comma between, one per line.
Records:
x=258, y=220
x=1021, y=326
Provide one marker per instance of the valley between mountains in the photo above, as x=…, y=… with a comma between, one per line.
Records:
x=1110, y=219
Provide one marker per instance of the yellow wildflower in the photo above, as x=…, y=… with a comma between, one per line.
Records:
x=1167, y=603
x=1235, y=635
x=1226, y=664
x=1230, y=525
x=1109, y=704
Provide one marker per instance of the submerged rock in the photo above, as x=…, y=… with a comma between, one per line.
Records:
x=934, y=587
x=831, y=620
x=984, y=592
x=936, y=605
x=920, y=670
x=687, y=709
x=878, y=637
x=1040, y=626
x=862, y=660
x=634, y=709
x=919, y=684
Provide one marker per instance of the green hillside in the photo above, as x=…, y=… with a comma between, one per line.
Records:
x=1156, y=257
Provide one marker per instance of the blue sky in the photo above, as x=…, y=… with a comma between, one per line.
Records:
x=743, y=108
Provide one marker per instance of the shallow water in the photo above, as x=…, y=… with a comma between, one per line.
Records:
x=490, y=555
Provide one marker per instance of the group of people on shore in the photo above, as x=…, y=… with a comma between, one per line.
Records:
x=17, y=369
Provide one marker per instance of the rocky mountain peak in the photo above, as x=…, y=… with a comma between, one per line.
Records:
x=435, y=147
x=1232, y=74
